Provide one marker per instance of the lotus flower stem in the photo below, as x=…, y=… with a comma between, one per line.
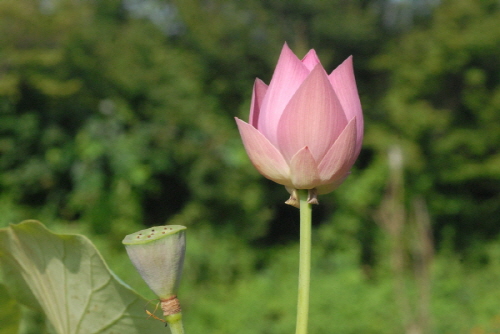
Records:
x=304, y=262
x=172, y=312
x=174, y=321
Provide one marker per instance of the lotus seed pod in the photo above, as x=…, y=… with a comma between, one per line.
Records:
x=158, y=255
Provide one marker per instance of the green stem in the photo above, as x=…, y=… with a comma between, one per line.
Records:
x=304, y=263
x=175, y=323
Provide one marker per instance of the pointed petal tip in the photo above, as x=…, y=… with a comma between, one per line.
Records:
x=347, y=64
x=348, y=59
x=310, y=53
x=258, y=81
x=286, y=48
x=311, y=60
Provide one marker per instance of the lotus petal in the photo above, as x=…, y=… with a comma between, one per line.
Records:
x=289, y=74
x=303, y=170
x=328, y=188
x=313, y=118
x=259, y=91
x=264, y=156
x=339, y=158
x=344, y=84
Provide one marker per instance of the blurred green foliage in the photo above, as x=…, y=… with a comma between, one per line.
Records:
x=119, y=114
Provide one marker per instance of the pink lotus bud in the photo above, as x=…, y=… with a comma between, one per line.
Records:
x=306, y=128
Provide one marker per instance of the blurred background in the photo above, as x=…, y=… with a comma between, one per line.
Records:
x=116, y=115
